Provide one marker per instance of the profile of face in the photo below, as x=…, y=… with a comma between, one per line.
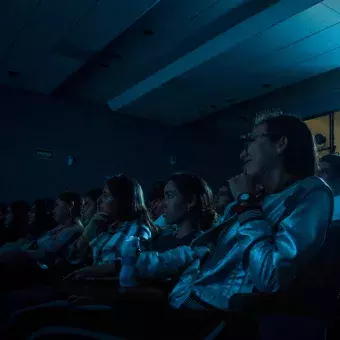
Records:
x=175, y=206
x=9, y=216
x=107, y=203
x=62, y=211
x=222, y=198
x=88, y=208
x=3, y=212
x=326, y=171
x=261, y=153
x=32, y=215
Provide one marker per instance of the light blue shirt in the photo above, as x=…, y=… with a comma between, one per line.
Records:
x=161, y=222
x=336, y=213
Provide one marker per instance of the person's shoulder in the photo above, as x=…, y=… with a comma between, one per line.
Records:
x=312, y=183
x=313, y=187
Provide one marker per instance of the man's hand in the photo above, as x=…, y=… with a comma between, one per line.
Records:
x=242, y=184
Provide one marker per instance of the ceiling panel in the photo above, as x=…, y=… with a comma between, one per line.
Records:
x=54, y=71
x=309, y=49
x=245, y=86
x=239, y=36
x=63, y=34
x=10, y=29
x=265, y=70
x=334, y=4
x=190, y=65
x=174, y=24
x=50, y=22
x=106, y=21
x=282, y=35
x=250, y=73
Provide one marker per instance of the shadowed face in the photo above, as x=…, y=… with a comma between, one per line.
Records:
x=62, y=211
x=88, y=209
x=260, y=153
x=175, y=206
x=108, y=203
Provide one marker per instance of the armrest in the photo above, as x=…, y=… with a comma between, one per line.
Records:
x=261, y=303
x=254, y=303
x=107, y=290
x=164, y=286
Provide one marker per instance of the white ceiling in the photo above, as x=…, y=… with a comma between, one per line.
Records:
x=203, y=55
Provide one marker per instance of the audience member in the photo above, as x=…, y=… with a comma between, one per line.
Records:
x=40, y=218
x=3, y=213
x=222, y=200
x=67, y=215
x=40, y=221
x=123, y=214
x=330, y=172
x=263, y=246
x=89, y=205
x=17, y=221
x=51, y=245
x=188, y=207
x=156, y=200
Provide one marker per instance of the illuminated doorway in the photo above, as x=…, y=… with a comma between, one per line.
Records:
x=322, y=128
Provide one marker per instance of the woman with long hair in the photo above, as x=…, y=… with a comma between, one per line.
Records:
x=188, y=209
x=123, y=214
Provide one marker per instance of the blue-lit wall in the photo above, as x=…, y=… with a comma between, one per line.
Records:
x=101, y=142
x=104, y=143
x=212, y=150
x=311, y=97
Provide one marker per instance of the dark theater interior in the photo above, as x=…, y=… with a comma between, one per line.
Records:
x=170, y=169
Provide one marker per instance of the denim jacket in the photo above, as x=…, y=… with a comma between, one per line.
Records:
x=261, y=248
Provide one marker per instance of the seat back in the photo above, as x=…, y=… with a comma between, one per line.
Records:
x=320, y=281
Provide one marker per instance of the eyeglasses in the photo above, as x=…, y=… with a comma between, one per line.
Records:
x=248, y=139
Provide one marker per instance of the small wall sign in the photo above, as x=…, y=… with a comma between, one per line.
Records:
x=44, y=154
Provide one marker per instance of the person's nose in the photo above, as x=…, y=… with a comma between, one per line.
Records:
x=244, y=153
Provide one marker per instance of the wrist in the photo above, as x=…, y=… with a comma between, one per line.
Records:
x=254, y=204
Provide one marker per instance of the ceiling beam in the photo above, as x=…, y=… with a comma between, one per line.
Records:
x=249, y=26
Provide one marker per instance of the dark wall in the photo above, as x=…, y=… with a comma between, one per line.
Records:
x=311, y=97
x=102, y=143
x=213, y=149
x=217, y=136
x=105, y=143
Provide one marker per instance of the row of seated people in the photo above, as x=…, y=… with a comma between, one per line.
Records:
x=20, y=222
x=262, y=241
x=22, y=225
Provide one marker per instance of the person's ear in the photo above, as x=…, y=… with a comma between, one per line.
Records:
x=192, y=202
x=71, y=206
x=282, y=145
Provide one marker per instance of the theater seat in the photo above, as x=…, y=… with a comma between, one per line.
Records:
x=313, y=296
